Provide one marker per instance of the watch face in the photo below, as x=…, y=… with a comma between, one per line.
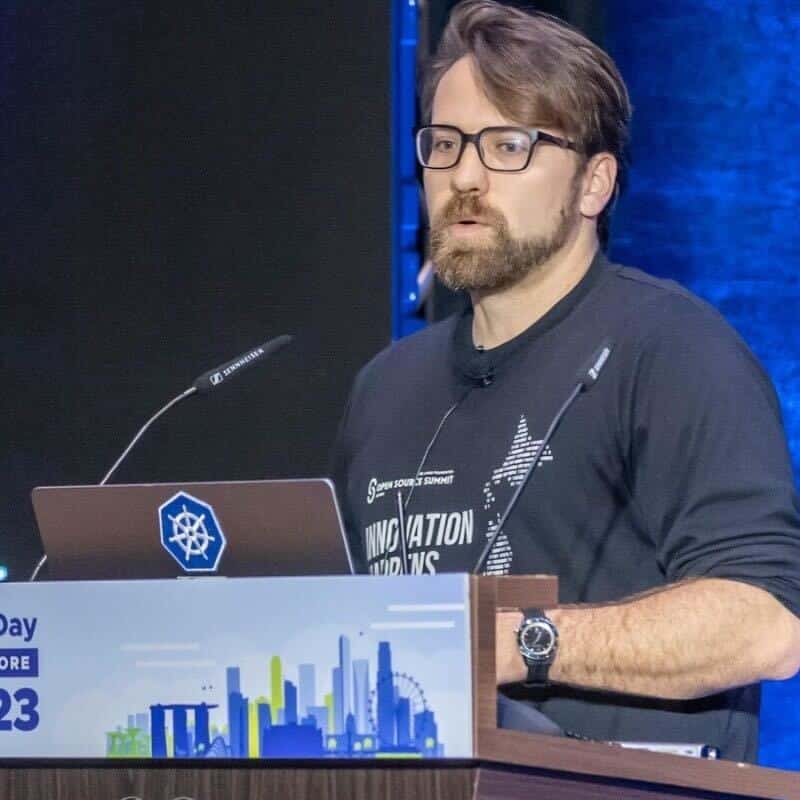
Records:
x=537, y=640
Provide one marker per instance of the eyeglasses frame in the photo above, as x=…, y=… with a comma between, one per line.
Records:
x=535, y=135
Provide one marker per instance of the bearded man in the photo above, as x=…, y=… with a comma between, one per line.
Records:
x=664, y=501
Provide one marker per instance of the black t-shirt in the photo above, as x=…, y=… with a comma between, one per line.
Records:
x=673, y=465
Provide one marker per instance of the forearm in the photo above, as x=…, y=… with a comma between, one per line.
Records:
x=688, y=640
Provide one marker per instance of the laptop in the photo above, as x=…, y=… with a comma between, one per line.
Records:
x=168, y=530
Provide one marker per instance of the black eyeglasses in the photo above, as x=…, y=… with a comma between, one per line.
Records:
x=500, y=149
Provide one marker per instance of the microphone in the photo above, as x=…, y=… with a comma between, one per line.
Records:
x=201, y=385
x=591, y=370
x=586, y=378
x=478, y=368
x=224, y=372
x=205, y=383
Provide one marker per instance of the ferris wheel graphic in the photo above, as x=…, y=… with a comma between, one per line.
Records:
x=190, y=533
x=406, y=686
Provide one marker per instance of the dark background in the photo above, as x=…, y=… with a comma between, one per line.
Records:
x=182, y=182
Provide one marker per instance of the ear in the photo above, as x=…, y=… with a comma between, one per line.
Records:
x=600, y=178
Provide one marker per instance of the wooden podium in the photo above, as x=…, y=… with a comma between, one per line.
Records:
x=505, y=764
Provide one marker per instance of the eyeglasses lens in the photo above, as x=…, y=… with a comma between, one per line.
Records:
x=503, y=149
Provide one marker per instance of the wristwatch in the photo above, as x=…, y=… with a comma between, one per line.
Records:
x=537, y=639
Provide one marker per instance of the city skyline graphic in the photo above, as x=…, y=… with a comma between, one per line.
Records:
x=355, y=719
x=345, y=666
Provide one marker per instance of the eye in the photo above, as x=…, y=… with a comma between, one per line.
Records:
x=444, y=145
x=511, y=146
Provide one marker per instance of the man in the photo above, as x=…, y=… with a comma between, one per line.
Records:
x=664, y=501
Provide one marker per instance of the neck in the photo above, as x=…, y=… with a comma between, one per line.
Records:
x=502, y=314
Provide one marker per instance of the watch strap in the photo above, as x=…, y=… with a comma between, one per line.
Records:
x=538, y=671
x=537, y=674
x=532, y=613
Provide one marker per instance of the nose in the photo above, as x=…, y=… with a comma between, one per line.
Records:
x=469, y=175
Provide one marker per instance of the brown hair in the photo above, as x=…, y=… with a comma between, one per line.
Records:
x=539, y=71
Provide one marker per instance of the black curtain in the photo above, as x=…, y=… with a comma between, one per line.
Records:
x=181, y=182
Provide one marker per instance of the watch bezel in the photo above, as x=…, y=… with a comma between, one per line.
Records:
x=537, y=656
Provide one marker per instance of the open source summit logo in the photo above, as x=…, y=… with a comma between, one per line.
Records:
x=190, y=533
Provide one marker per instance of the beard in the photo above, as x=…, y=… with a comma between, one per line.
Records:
x=500, y=260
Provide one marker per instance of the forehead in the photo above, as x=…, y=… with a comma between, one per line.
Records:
x=460, y=100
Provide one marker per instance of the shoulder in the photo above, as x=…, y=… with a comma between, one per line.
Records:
x=658, y=300
x=671, y=334
x=412, y=367
x=662, y=311
x=413, y=355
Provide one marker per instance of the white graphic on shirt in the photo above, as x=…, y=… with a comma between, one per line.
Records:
x=511, y=471
x=426, y=535
x=430, y=477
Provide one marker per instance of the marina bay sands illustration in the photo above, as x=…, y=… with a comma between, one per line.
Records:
x=358, y=718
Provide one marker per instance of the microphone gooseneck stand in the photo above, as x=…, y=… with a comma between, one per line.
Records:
x=205, y=383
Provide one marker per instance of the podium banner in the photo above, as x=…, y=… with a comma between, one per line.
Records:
x=342, y=667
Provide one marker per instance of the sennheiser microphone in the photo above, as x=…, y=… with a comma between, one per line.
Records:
x=230, y=369
x=586, y=378
x=204, y=383
x=591, y=370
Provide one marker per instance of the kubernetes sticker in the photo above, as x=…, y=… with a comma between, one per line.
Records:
x=190, y=533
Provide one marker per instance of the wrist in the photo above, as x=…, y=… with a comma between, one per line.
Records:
x=537, y=643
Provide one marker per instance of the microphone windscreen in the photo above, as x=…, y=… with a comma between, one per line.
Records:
x=230, y=369
x=590, y=372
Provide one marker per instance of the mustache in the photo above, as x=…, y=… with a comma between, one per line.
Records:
x=460, y=206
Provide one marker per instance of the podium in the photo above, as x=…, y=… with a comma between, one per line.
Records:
x=334, y=687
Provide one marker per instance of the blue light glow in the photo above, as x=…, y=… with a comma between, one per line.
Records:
x=714, y=193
